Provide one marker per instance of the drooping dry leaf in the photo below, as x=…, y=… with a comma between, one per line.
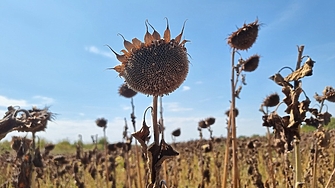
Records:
x=305, y=70
x=279, y=79
x=142, y=135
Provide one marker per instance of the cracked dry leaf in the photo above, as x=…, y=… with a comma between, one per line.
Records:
x=325, y=117
x=166, y=151
x=279, y=79
x=238, y=91
x=303, y=107
x=157, y=155
x=318, y=98
x=329, y=94
x=142, y=135
x=305, y=70
x=294, y=94
x=323, y=138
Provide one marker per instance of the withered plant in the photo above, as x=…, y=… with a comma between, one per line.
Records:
x=156, y=67
x=29, y=156
x=240, y=40
x=286, y=136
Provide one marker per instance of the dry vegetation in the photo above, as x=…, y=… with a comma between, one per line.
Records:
x=285, y=157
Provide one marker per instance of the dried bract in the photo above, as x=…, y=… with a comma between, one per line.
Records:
x=244, y=37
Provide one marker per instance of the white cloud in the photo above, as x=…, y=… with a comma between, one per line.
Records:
x=175, y=107
x=199, y=82
x=186, y=88
x=95, y=50
x=5, y=102
x=44, y=100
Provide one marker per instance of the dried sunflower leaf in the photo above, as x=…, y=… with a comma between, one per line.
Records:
x=142, y=135
x=305, y=70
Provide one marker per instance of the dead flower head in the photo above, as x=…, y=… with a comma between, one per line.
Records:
x=206, y=123
x=101, y=122
x=244, y=37
x=156, y=66
x=271, y=100
x=125, y=91
x=251, y=63
x=176, y=132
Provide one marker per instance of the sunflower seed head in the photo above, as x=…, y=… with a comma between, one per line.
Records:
x=244, y=37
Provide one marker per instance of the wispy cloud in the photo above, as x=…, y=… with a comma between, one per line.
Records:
x=287, y=15
x=95, y=50
x=199, y=82
x=5, y=102
x=44, y=100
x=175, y=107
x=186, y=88
x=34, y=101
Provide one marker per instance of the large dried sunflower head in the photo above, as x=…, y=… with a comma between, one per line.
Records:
x=244, y=37
x=156, y=66
x=125, y=91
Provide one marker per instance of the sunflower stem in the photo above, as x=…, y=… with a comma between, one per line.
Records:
x=235, y=177
x=154, y=120
x=297, y=156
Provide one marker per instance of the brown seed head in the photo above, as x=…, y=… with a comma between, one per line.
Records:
x=251, y=63
x=176, y=132
x=101, y=122
x=210, y=121
x=125, y=91
x=156, y=66
x=202, y=124
x=271, y=100
x=244, y=37
x=235, y=112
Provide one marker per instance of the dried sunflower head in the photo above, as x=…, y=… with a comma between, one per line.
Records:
x=101, y=122
x=271, y=100
x=251, y=63
x=244, y=37
x=156, y=66
x=125, y=91
x=176, y=132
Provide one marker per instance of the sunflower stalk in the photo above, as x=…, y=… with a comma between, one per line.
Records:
x=137, y=153
x=297, y=156
x=235, y=176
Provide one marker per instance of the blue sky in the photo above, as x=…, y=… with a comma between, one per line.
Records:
x=53, y=53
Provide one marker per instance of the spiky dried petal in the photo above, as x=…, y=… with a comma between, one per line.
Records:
x=244, y=37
